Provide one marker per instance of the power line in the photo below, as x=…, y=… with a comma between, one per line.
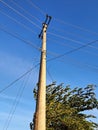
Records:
x=26, y=11
x=70, y=51
x=63, y=37
x=50, y=75
x=55, y=55
x=36, y=7
x=73, y=50
x=13, y=82
x=13, y=19
x=75, y=26
x=95, y=68
x=65, y=44
x=48, y=51
x=69, y=39
x=63, y=22
x=20, y=38
x=71, y=33
x=17, y=100
x=15, y=104
x=20, y=14
x=66, y=54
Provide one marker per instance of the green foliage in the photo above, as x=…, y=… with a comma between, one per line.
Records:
x=65, y=107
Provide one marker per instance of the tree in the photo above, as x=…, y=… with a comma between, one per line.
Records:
x=65, y=107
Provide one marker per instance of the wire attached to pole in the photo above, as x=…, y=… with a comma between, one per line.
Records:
x=46, y=22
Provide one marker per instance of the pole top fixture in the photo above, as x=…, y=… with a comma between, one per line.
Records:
x=46, y=22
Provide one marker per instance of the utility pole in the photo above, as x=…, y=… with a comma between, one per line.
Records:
x=40, y=114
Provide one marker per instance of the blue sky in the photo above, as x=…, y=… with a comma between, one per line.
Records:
x=73, y=24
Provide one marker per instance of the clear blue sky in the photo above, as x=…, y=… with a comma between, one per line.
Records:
x=74, y=23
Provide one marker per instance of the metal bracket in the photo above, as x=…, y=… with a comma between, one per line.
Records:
x=47, y=21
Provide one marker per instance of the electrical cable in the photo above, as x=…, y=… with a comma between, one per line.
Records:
x=63, y=37
x=63, y=22
x=20, y=77
x=73, y=50
x=17, y=100
x=65, y=44
x=94, y=68
x=69, y=39
x=48, y=72
x=18, y=37
x=75, y=26
x=20, y=14
x=55, y=55
x=71, y=33
x=27, y=42
x=76, y=49
x=23, y=25
x=15, y=104
x=26, y=11
x=36, y=7
x=68, y=24
x=6, y=129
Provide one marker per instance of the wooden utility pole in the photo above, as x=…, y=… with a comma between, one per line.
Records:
x=40, y=114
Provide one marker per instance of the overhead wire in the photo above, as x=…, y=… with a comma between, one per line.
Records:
x=18, y=96
x=70, y=46
x=66, y=38
x=62, y=21
x=35, y=6
x=59, y=56
x=25, y=11
x=20, y=77
x=72, y=40
x=73, y=50
x=17, y=21
x=63, y=37
x=75, y=26
x=20, y=38
x=55, y=58
x=16, y=11
x=71, y=33
x=51, y=77
x=15, y=104
x=44, y=13
x=27, y=42
x=82, y=65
